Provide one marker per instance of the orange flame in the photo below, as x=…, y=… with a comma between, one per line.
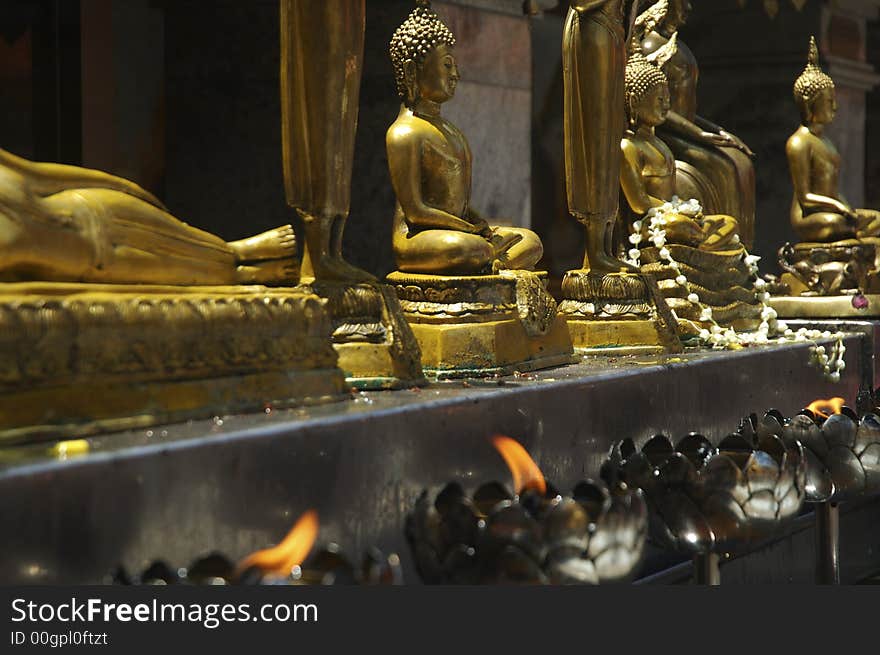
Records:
x=825, y=408
x=291, y=552
x=526, y=474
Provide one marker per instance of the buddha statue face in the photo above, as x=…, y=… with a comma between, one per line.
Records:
x=653, y=107
x=437, y=77
x=422, y=52
x=822, y=109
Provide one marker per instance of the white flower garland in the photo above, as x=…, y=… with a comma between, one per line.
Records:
x=721, y=338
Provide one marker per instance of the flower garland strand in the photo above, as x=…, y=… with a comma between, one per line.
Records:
x=720, y=338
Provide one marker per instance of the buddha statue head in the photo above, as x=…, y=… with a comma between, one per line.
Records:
x=814, y=91
x=647, y=88
x=422, y=52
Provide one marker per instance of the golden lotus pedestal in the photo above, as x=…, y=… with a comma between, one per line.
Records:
x=823, y=280
x=721, y=279
x=487, y=325
x=376, y=347
x=76, y=359
x=619, y=312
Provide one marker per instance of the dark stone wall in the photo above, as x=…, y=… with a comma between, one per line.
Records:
x=748, y=65
x=872, y=125
x=224, y=168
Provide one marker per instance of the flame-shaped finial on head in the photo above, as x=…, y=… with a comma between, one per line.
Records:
x=813, y=80
x=813, y=57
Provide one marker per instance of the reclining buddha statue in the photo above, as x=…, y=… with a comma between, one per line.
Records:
x=697, y=258
x=838, y=249
x=715, y=166
x=458, y=276
x=67, y=224
x=115, y=314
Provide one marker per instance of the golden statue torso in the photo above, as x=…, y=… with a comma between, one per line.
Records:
x=657, y=166
x=824, y=165
x=445, y=164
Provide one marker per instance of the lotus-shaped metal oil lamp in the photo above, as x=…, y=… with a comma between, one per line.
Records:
x=707, y=501
x=842, y=463
x=280, y=565
x=594, y=536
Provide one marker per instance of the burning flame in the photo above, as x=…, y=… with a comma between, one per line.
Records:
x=526, y=474
x=825, y=408
x=291, y=552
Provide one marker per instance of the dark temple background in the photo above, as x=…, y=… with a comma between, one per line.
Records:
x=182, y=97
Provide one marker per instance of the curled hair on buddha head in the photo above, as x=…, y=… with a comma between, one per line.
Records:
x=811, y=83
x=422, y=31
x=643, y=73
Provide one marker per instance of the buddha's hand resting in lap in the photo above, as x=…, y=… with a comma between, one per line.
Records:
x=482, y=228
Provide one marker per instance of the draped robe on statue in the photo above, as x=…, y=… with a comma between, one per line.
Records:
x=594, y=47
x=322, y=51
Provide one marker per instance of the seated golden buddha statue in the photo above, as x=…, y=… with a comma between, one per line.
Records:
x=436, y=231
x=715, y=165
x=818, y=211
x=838, y=248
x=466, y=287
x=691, y=254
x=67, y=224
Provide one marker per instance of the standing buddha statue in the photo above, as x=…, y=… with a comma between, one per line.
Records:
x=608, y=303
x=322, y=53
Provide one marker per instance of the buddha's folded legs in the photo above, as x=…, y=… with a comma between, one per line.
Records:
x=824, y=227
x=443, y=252
x=868, y=223
x=721, y=232
x=525, y=254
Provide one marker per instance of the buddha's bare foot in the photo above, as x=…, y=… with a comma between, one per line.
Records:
x=604, y=264
x=279, y=243
x=334, y=269
x=277, y=272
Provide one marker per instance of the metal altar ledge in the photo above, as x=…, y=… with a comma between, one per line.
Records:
x=825, y=307
x=236, y=484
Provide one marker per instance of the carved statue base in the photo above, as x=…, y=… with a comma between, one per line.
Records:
x=721, y=279
x=377, y=348
x=828, y=280
x=621, y=312
x=83, y=358
x=484, y=325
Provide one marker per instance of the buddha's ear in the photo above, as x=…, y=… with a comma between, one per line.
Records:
x=410, y=78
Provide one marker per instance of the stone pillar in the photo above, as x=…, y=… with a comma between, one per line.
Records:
x=843, y=44
x=493, y=103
